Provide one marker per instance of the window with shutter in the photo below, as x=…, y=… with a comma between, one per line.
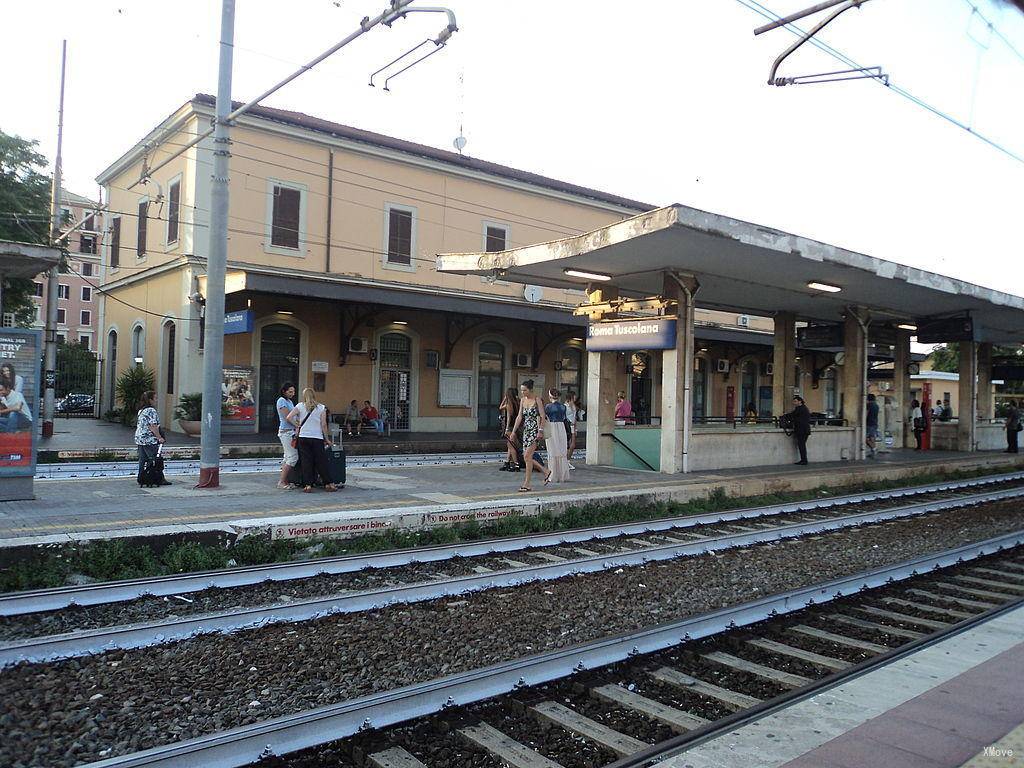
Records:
x=399, y=236
x=173, y=211
x=496, y=239
x=86, y=317
x=115, y=242
x=284, y=227
x=140, y=248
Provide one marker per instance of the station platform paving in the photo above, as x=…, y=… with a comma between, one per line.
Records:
x=67, y=510
x=956, y=703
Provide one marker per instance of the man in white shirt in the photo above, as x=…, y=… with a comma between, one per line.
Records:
x=15, y=415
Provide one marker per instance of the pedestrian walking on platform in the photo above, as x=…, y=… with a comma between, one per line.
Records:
x=917, y=422
x=871, y=433
x=310, y=419
x=507, y=412
x=286, y=434
x=148, y=435
x=572, y=415
x=555, y=438
x=801, y=420
x=531, y=417
x=1013, y=427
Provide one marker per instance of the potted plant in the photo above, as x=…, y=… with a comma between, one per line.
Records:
x=189, y=413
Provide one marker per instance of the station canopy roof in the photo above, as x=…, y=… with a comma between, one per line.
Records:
x=748, y=268
x=26, y=259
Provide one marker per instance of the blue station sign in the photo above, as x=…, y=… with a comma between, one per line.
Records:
x=632, y=335
x=238, y=322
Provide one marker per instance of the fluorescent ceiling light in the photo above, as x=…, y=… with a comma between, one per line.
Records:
x=401, y=322
x=824, y=287
x=586, y=275
x=907, y=326
x=285, y=312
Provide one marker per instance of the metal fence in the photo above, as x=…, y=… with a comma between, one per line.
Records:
x=77, y=388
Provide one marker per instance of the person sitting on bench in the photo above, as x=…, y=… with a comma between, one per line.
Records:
x=372, y=417
x=353, y=420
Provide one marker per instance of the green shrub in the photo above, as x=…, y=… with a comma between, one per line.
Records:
x=130, y=385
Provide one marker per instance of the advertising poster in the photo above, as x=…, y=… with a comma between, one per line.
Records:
x=20, y=352
x=237, y=396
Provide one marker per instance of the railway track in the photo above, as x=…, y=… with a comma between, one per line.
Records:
x=371, y=581
x=634, y=698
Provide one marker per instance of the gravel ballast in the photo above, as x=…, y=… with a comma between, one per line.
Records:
x=81, y=710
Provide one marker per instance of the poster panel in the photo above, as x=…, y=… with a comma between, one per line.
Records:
x=237, y=395
x=20, y=353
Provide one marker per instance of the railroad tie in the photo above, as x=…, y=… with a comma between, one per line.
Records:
x=676, y=719
x=980, y=605
x=1019, y=588
x=642, y=543
x=481, y=569
x=999, y=573
x=585, y=552
x=395, y=757
x=852, y=642
x=1012, y=564
x=1002, y=597
x=906, y=618
x=547, y=556
x=504, y=748
x=731, y=699
x=932, y=608
x=572, y=721
x=673, y=539
x=787, y=679
x=875, y=626
x=514, y=563
x=819, y=660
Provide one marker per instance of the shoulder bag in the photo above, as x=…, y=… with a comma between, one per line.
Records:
x=295, y=437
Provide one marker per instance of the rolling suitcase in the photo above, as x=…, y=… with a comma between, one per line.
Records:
x=336, y=464
x=152, y=472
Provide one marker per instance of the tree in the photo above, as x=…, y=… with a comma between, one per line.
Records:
x=946, y=358
x=130, y=386
x=24, y=214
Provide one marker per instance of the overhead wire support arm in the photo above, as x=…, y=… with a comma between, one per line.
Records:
x=825, y=77
x=397, y=9
x=439, y=42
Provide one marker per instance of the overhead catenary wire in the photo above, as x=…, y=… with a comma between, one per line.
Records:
x=767, y=13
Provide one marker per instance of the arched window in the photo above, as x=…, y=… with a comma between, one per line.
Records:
x=112, y=367
x=748, y=386
x=138, y=342
x=700, y=389
x=831, y=404
x=170, y=332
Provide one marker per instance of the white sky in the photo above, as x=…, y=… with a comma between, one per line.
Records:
x=660, y=101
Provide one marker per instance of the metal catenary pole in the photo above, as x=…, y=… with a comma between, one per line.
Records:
x=213, y=346
x=52, y=283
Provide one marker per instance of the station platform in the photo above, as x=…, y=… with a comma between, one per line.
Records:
x=956, y=703
x=67, y=510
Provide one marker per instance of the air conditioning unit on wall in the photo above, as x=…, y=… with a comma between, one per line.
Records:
x=521, y=360
x=358, y=344
x=722, y=365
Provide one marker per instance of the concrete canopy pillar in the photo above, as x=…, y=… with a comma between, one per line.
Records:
x=677, y=378
x=968, y=390
x=985, y=405
x=783, y=362
x=600, y=407
x=901, y=389
x=855, y=363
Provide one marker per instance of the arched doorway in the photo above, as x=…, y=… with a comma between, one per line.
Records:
x=396, y=378
x=490, y=381
x=112, y=367
x=279, y=362
x=748, y=386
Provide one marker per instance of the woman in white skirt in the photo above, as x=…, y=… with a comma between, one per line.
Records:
x=554, y=437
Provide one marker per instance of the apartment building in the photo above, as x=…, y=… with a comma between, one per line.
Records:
x=333, y=233
x=77, y=305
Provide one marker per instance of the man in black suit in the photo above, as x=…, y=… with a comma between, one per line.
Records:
x=801, y=417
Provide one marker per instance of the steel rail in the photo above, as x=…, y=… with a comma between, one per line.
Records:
x=55, y=598
x=112, y=469
x=81, y=643
x=277, y=736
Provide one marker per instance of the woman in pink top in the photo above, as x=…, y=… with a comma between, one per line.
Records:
x=623, y=408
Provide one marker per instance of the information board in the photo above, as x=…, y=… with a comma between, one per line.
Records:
x=20, y=352
x=454, y=388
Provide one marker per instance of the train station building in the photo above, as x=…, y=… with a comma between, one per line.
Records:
x=646, y=276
